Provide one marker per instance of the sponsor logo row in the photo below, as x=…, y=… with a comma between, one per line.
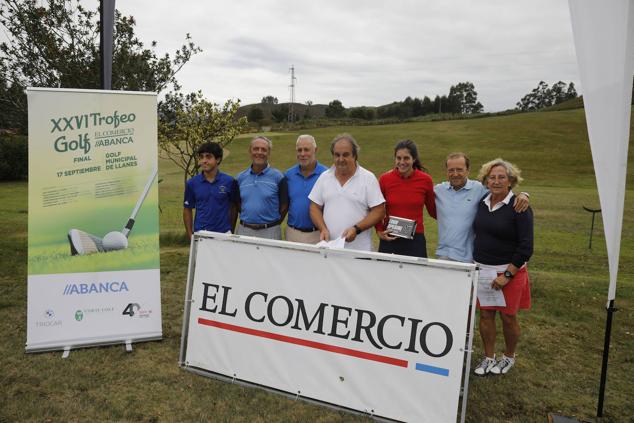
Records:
x=131, y=310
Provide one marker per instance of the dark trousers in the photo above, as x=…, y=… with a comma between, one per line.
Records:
x=416, y=247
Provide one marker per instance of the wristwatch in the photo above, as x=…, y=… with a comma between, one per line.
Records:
x=358, y=229
x=508, y=274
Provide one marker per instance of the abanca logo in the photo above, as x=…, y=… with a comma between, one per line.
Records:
x=94, y=288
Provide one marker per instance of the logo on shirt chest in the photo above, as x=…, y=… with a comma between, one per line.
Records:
x=222, y=189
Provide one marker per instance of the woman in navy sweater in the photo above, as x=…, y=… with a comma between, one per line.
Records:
x=503, y=243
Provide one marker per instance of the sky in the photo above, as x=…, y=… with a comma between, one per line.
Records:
x=363, y=53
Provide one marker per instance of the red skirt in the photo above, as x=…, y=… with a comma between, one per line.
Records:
x=517, y=294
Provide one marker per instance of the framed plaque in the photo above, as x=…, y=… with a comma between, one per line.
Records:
x=401, y=227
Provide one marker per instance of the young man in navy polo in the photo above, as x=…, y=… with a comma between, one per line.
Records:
x=211, y=193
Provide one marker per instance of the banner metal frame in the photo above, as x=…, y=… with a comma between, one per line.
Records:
x=69, y=343
x=197, y=237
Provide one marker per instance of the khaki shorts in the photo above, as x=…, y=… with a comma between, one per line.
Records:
x=294, y=235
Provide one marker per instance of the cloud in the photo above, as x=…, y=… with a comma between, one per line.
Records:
x=364, y=52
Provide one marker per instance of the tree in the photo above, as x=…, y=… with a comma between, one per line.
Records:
x=255, y=114
x=12, y=103
x=558, y=93
x=428, y=106
x=269, y=99
x=335, y=109
x=356, y=113
x=463, y=99
x=363, y=112
x=407, y=108
x=57, y=45
x=543, y=96
x=186, y=121
x=280, y=113
x=452, y=105
x=417, y=107
x=571, y=92
x=307, y=110
x=388, y=110
x=441, y=104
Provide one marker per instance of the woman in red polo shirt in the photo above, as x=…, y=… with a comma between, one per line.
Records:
x=407, y=189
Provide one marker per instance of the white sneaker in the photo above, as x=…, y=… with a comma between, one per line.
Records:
x=485, y=366
x=503, y=366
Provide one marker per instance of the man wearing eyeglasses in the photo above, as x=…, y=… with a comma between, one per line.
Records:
x=456, y=206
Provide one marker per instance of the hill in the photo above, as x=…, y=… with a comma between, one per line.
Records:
x=314, y=110
x=573, y=103
x=559, y=353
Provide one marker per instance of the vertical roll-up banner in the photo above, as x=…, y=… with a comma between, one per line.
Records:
x=380, y=334
x=93, y=225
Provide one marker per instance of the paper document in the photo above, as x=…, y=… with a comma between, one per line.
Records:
x=335, y=243
x=486, y=295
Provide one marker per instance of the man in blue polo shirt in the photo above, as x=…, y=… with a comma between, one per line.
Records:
x=210, y=193
x=301, y=179
x=456, y=206
x=262, y=193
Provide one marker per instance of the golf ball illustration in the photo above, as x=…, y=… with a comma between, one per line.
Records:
x=83, y=243
x=114, y=241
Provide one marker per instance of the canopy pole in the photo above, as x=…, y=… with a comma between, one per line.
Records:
x=106, y=29
x=606, y=352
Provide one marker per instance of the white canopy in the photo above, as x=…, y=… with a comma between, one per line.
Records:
x=604, y=39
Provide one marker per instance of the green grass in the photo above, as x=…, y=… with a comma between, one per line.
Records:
x=56, y=258
x=573, y=103
x=559, y=354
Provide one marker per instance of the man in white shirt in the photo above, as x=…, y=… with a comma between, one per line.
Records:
x=346, y=200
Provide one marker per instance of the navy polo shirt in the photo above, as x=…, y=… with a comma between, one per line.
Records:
x=299, y=187
x=212, y=201
x=261, y=195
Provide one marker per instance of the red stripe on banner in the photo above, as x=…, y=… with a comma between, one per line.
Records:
x=305, y=342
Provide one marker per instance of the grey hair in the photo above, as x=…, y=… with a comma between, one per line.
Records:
x=512, y=171
x=306, y=137
x=262, y=137
x=348, y=137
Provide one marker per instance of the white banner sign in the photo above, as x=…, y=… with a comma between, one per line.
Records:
x=93, y=308
x=374, y=333
x=93, y=256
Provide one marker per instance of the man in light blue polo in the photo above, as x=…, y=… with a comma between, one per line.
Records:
x=301, y=179
x=456, y=206
x=262, y=194
x=211, y=193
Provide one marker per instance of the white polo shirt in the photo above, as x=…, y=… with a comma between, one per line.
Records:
x=345, y=206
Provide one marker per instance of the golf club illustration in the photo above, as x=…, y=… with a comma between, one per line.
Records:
x=83, y=243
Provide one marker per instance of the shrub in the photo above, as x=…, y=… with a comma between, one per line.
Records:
x=14, y=156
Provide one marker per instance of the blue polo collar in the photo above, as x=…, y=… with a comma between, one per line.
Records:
x=204, y=179
x=466, y=186
x=265, y=170
x=316, y=171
